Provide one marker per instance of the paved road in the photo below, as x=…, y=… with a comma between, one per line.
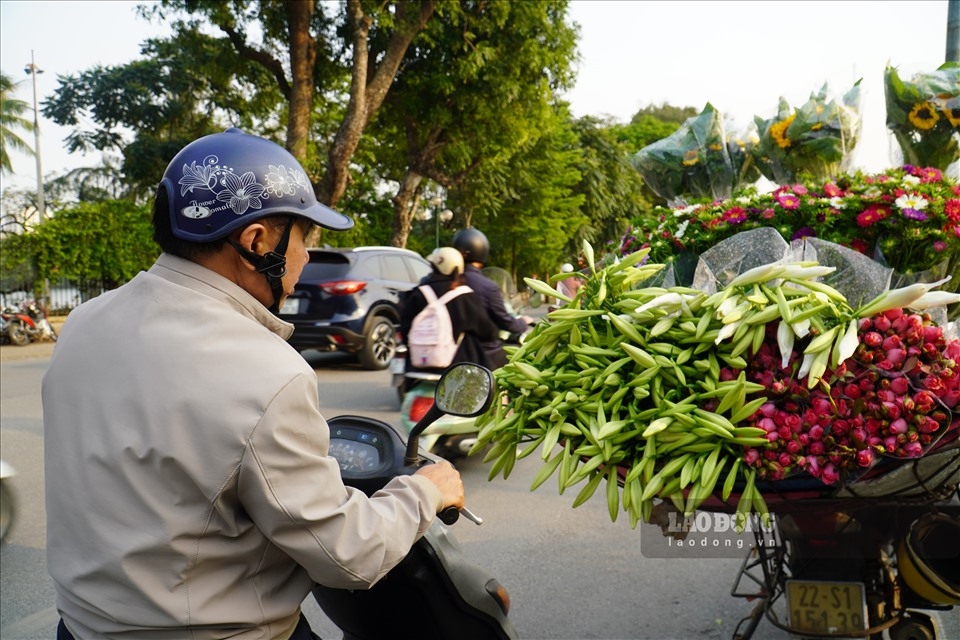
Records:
x=571, y=573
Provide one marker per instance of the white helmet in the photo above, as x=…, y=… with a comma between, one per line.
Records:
x=447, y=260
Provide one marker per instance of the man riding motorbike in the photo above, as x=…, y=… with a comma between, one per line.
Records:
x=475, y=247
x=189, y=488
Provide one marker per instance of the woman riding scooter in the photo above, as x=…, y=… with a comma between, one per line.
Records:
x=468, y=319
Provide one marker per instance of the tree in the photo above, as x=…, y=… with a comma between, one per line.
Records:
x=317, y=72
x=11, y=120
x=665, y=113
x=528, y=205
x=611, y=187
x=476, y=87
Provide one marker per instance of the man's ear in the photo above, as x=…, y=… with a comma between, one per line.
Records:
x=254, y=237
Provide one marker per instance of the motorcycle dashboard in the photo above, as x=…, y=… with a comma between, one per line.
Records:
x=358, y=451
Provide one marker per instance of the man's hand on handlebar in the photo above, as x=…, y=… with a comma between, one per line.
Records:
x=447, y=480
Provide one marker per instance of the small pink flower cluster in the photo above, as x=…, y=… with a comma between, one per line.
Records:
x=894, y=397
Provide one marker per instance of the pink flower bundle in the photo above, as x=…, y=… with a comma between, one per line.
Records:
x=895, y=397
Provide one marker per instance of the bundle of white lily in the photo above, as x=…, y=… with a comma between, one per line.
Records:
x=677, y=393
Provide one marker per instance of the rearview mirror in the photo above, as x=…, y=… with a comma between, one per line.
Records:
x=465, y=390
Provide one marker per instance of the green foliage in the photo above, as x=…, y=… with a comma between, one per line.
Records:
x=642, y=132
x=610, y=186
x=539, y=209
x=665, y=113
x=474, y=89
x=109, y=241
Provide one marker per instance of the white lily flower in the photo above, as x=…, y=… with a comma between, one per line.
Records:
x=802, y=328
x=726, y=331
x=898, y=298
x=849, y=342
x=798, y=272
x=727, y=306
x=806, y=364
x=785, y=340
x=934, y=299
x=670, y=299
x=763, y=273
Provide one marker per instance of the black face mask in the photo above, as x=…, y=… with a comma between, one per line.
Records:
x=272, y=264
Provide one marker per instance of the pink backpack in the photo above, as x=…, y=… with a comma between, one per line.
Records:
x=430, y=341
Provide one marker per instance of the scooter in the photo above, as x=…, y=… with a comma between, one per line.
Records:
x=12, y=331
x=8, y=506
x=450, y=437
x=436, y=589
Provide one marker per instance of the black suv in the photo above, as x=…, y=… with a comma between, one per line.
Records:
x=348, y=300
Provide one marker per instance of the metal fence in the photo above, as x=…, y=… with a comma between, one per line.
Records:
x=60, y=297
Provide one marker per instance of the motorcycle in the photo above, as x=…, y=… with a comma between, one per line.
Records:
x=12, y=331
x=450, y=437
x=39, y=326
x=7, y=503
x=448, y=595
x=875, y=557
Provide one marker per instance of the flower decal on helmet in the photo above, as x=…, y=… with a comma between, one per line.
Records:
x=281, y=181
x=240, y=193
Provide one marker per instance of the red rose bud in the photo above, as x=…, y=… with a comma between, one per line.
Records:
x=865, y=457
x=872, y=339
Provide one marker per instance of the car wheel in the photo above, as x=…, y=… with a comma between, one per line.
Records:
x=379, y=345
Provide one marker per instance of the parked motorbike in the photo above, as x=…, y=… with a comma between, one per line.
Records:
x=436, y=589
x=7, y=503
x=39, y=327
x=875, y=557
x=11, y=330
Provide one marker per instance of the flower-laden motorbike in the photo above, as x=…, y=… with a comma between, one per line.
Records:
x=764, y=393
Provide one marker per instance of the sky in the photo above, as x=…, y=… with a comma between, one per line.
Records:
x=739, y=56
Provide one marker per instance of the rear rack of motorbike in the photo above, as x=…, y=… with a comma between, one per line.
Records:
x=889, y=500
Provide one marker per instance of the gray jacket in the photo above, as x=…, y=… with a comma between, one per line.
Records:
x=189, y=489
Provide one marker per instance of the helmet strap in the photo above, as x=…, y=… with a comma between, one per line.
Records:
x=272, y=264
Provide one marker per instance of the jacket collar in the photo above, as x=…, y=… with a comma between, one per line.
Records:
x=198, y=278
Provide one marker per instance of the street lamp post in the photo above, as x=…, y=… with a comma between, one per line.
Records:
x=32, y=70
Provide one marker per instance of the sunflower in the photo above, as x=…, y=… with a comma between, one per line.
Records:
x=690, y=158
x=952, y=115
x=778, y=131
x=924, y=116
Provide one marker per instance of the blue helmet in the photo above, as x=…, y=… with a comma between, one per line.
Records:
x=224, y=181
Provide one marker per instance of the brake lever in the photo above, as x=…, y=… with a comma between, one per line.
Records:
x=451, y=514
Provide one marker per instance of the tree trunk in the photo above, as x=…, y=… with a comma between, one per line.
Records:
x=404, y=204
x=303, y=56
x=367, y=96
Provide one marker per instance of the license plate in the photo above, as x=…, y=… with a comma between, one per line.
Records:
x=290, y=307
x=826, y=607
x=397, y=366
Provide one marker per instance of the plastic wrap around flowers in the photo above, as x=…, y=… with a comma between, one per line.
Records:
x=815, y=140
x=923, y=114
x=781, y=359
x=704, y=158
